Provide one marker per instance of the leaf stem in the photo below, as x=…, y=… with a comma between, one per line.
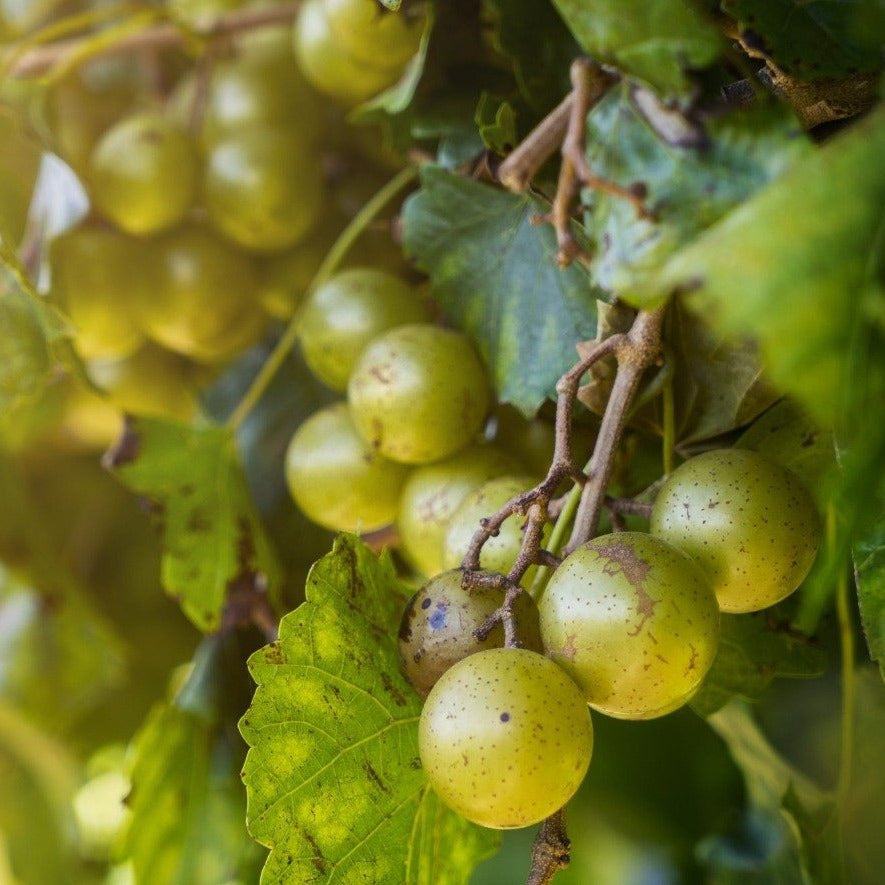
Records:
x=330, y=263
x=668, y=442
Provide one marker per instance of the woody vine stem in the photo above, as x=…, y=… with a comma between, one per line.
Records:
x=635, y=351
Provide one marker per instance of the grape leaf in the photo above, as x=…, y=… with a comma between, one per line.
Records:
x=335, y=787
x=688, y=187
x=869, y=575
x=813, y=39
x=755, y=649
x=187, y=803
x=493, y=270
x=790, y=266
x=653, y=40
x=533, y=36
x=808, y=815
x=213, y=541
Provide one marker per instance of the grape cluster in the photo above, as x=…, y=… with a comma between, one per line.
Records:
x=212, y=202
x=628, y=625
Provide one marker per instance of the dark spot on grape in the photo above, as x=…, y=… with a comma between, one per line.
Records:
x=505, y=717
x=426, y=603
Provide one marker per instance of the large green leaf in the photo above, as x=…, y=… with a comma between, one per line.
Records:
x=807, y=815
x=790, y=267
x=335, y=786
x=213, y=541
x=187, y=803
x=653, y=40
x=755, y=649
x=493, y=270
x=532, y=35
x=688, y=187
x=813, y=39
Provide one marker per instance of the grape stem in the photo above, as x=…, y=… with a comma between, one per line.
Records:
x=550, y=852
x=333, y=258
x=247, y=603
x=40, y=59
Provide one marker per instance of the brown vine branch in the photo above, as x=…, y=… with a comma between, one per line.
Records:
x=550, y=851
x=43, y=58
x=247, y=603
x=636, y=351
x=627, y=507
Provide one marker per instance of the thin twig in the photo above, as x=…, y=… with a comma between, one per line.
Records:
x=627, y=507
x=636, y=351
x=521, y=166
x=550, y=851
x=43, y=58
x=589, y=84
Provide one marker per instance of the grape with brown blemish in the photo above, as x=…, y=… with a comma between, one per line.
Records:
x=633, y=621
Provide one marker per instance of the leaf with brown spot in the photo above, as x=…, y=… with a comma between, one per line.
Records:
x=333, y=782
x=213, y=541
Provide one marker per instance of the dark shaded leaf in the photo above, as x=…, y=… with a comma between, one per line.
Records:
x=493, y=270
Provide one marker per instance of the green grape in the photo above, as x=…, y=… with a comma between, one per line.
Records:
x=336, y=480
x=96, y=284
x=328, y=66
x=746, y=519
x=499, y=552
x=262, y=188
x=19, y=162
x=344, y=314
x=204, y=303
x=505, y=738
x=633, y=621
x=432, y=494
x=143, y=174
x=372, y=34
x=152, y=381
x=437, y=627
x=260, y=87
x=419, y=393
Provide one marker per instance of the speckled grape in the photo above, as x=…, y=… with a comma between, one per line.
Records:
x=500, y=551
x=432, y=494
x=633, y=621
x=437, y=627
x=505, y=738
x=748, y=521
x=336, y=480
x=419, y=393
x=344, y=314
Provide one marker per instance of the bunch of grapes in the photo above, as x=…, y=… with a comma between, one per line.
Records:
x=213, y=199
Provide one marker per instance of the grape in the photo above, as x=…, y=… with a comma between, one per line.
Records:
x=262, y=188
x=261, y=87
x=746, y=519
x=143, y=174
x=100, y=812
x=152, y=381
x=344, y=314
x=94, y=283
x=499, y=552
x=336, y=480
x=372, y=35
x=419, y=393
x=505, y=738
x=433, y=492
x=438, y=623
x=328, y=66
x=19, y=162
x=204, y=303
x=633, y=621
